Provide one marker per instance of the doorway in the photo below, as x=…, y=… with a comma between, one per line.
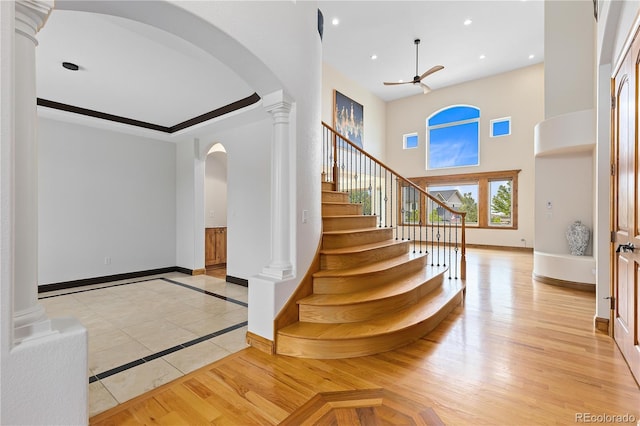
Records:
x=215, y=188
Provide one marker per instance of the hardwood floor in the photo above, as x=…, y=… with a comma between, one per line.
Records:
x=517, y=352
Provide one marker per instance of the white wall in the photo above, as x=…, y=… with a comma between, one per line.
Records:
x=103, y=195
x=215, y=187
x=248, y=199
x=374, y=108
x=517, y=94
x=186, y=207
x=569, y=78
x=565, y=181
x=565, y=172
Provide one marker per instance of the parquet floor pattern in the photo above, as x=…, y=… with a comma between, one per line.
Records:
x=518, y=352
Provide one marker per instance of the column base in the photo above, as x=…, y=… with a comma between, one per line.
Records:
x=44, y=381
x=280, y=272
x=31, y=323
x=267, y=295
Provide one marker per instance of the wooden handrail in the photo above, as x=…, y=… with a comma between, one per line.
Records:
x=336, y=139
x=381, y=164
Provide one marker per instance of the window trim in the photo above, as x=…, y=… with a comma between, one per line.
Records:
x=408, y=135
x=499, y=120
x=482, y=179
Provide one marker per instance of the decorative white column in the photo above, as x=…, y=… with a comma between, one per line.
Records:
x=30, y=319
x=280, y=266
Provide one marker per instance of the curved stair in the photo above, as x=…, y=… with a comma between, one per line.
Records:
x=370, y=295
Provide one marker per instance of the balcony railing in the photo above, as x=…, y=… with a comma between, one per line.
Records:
x=415, y=215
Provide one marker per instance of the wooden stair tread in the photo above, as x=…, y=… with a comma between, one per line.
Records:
x=397, y=287
x=362, y=248
x=339, y=203
x=349, y=216
x=352, y=231
x=386, y=324
x=369, y=268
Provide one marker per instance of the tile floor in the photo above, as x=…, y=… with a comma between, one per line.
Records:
x=148, y=331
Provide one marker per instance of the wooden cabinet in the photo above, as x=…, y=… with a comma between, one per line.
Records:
x=215, y=246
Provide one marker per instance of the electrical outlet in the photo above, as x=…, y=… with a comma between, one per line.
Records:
x=107, y=261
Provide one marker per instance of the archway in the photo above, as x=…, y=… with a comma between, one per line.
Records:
x=201, y=33
x=215, y=202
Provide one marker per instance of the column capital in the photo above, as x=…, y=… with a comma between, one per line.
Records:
x=277, y=103
x=31, y=16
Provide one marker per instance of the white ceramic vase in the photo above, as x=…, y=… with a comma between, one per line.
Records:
x=578, y=238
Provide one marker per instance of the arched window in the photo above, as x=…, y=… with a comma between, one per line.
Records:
x=453, y=137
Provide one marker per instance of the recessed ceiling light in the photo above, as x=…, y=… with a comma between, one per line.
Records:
x=482, y=56
x=374, y=56
x=70, y=66
x=400, y=81
x=467, y=21
x=335, y=21
x=532, y=56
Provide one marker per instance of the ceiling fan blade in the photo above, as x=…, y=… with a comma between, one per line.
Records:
x=387, y=83
x=430, y=71
x=425, y=89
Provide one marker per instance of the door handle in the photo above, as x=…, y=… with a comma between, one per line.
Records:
x=629, y=247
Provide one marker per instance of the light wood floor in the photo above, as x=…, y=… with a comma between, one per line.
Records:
x=518, y=352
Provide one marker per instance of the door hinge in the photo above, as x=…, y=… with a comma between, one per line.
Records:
x=612, y=301
x=613, y=169
x=613, y=102
x=613, y=236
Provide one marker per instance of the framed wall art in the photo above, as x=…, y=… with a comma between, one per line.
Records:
x=348, y=118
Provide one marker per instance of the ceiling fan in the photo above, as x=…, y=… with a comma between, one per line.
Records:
x=418, y=78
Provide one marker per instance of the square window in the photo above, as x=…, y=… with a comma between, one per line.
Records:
x=410, y=141
x=463, y=197
x=500, y=127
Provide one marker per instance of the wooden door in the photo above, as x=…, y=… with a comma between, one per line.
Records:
x=626, y=212
x=220, y=246
x=209, y=247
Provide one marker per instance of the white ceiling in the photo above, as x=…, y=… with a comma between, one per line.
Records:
x=130, y=69
x=141, y=72
x=506, y=32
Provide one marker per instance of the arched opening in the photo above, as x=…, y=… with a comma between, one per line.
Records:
x=215, y=202
x=187, y=206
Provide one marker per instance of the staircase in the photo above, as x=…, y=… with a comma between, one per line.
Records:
x=373, y=292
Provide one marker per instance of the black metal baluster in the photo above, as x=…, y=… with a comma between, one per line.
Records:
x=380, y=197
x=432, y=234
x=415, y=218
x=449, y=248
x=420, y=221
x=456, y=256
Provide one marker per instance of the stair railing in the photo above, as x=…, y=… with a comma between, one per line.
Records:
x=428, y=223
